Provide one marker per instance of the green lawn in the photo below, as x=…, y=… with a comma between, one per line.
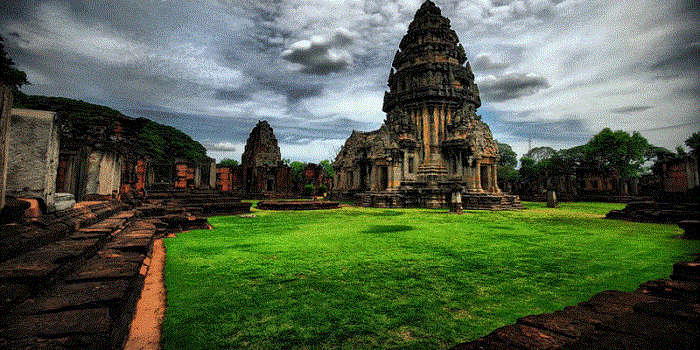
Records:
x=413, y=278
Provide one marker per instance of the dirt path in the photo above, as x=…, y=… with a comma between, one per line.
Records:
x=146, y=326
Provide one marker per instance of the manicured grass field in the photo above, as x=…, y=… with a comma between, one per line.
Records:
x=413, y=278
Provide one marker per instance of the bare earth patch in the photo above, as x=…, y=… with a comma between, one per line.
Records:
x=147, y=324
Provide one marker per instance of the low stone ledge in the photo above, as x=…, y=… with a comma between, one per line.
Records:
x=297, y=205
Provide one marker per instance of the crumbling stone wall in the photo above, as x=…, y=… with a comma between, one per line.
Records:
x=33, y=155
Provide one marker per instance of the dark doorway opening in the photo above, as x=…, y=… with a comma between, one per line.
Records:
x=383, y=178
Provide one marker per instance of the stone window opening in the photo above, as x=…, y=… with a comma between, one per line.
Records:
x=411, y=165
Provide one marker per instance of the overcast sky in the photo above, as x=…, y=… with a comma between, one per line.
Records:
x=556, y=72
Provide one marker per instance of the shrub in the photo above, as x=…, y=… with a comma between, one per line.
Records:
x=308, y=189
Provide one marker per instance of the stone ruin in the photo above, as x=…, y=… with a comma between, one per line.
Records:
x=263, y=169
x=432, y=139
x=262, y=173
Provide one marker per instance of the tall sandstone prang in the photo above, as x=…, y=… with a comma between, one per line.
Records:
x=264, y=172
x=432, y=143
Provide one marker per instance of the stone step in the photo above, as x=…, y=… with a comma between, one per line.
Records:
x=40, y=268
x=92, y=306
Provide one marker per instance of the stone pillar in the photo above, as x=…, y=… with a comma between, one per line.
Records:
x=489, y=179
x=477, y=177
x=5, y=109
x=494, y=171
x=552, y=199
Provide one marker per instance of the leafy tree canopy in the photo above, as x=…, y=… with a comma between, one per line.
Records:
x=328, y=168
x=617, y=150
x=508, y=157
x=693, y=142
x=161, y=143
x=228, y=162
x=297, y=170
x=539, y=154
x=9, y=75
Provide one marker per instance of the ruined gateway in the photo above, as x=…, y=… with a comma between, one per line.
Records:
x=432, y=143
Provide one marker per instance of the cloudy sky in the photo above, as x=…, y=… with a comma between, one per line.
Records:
x=555, y=72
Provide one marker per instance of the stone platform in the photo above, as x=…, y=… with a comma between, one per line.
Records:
x=201, y=202
x=437, y=198
x=660, y=314
x=650, y=211
x=297, y=205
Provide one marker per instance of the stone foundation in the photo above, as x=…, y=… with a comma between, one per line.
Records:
x=649, y=211
x=297, y=205
x=436, y=198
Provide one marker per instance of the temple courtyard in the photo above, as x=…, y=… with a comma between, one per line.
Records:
x=398, y=278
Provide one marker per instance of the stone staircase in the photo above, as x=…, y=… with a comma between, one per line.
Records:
x=73, y=279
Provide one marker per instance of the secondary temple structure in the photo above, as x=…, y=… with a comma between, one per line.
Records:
x=432, y=144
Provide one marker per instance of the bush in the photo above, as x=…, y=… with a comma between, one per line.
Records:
x=309, y=189
x=322, y=189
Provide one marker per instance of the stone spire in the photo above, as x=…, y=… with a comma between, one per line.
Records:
x=430, y=65
x=261, y=149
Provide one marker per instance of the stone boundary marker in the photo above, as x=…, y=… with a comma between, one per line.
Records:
x=660, y=314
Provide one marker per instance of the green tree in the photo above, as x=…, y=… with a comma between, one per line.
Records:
x=507, y=163
x=539, y=154
x=229, y=162
x=297, y=171
x=529, y=169
x=508, y=157
x=9, y=75
x=309, y=189
x=619, y=151
x=327, y=168
x=693, y=142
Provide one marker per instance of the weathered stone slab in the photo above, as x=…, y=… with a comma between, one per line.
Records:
x=526, y=337
x=58, y=324
x=686, y=291
x=673, y=310
x=101, y=268
x=76, y=296
x=11, y=293
x=571, y=322
x=130, y=244
x=46, y=260
x=666, y=333
x=686, y=271
x=72, y=342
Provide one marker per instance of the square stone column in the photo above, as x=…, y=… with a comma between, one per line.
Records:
x=477, y=177
x=494, y=174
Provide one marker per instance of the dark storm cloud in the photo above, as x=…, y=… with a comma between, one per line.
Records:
x=630, y=109
x=487, y=62
x=566, y=130
x=321, y=56
x=313, y=67
x=511, y=86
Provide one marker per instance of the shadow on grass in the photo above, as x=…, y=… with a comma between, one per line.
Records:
x=388, y=228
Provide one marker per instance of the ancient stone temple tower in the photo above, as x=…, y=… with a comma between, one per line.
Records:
x=263, y=169
x=432, y=142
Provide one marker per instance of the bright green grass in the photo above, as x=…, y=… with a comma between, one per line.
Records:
x=413, y=278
